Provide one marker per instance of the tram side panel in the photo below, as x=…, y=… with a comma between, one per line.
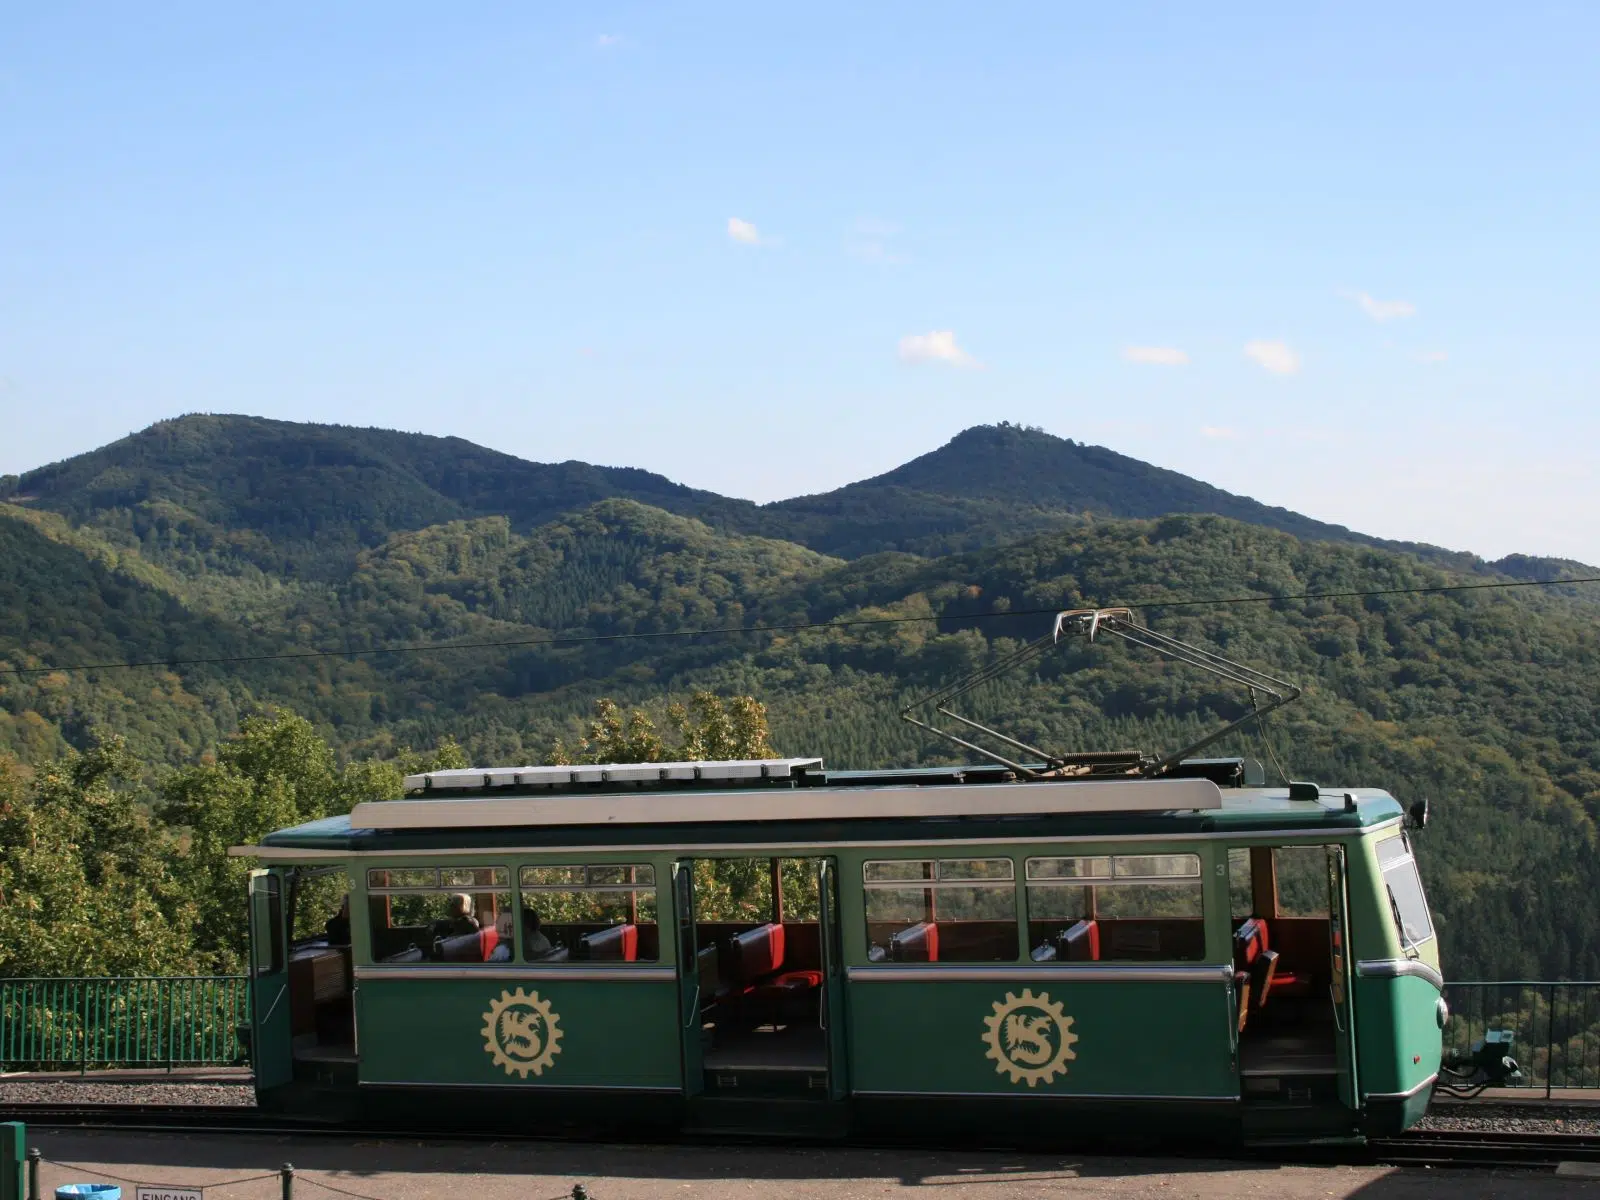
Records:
x=568, y=1022
x=939, y=1041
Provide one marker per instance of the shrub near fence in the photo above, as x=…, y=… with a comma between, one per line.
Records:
x=1555, y=1027
x=184, y=1021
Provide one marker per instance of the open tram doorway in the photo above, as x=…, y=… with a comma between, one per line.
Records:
x=1292, y=982
x=760, y=976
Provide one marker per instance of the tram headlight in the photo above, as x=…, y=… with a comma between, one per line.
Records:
x=1441, y=1012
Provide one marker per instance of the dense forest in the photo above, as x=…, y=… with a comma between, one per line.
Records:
x=216, y=537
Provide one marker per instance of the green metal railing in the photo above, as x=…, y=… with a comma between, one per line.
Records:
x=1555, y=1027
x=179, y=1021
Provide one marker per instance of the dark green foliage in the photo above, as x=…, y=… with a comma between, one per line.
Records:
x=300, y=500
x=212, y=536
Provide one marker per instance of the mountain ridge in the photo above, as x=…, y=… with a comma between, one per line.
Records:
x=301, y=499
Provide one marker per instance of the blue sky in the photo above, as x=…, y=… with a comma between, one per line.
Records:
x=1340, y=257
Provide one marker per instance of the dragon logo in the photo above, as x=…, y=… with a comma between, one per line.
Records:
x=522, y=1032
x=1029, y=1037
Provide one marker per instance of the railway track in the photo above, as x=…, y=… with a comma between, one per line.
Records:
x=1455, y=1148
x=1425, y=1147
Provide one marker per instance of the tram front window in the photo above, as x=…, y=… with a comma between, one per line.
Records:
x=1407, y=904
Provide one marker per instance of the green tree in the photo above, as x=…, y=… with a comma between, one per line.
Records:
x=276, y=772
x=85, y=886
x=709, y=728
x=612, y=737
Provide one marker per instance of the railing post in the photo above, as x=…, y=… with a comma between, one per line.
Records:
x=83, y=1029
x=1550, y=1042
x=13, y=1138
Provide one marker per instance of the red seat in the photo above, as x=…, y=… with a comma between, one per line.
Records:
x=755, y=953
x=468, y=947
x=1255, y=965
x=919, y=943
x=758, y=976
x=620, y=943
x=1081, y=943
x=1249, y=942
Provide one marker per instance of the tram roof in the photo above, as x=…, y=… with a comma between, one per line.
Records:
x=828, y=808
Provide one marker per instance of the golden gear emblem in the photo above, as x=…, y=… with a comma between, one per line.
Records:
x=521, y=1032
x=1029, y=1037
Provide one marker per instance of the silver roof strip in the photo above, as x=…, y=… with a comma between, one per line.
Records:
x=801, y=804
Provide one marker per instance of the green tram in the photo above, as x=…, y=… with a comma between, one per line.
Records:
x=770, y=946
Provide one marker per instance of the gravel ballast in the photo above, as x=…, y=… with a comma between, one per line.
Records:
x=97, y=1091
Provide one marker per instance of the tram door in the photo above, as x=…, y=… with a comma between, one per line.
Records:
x=689, y=981
x=832, y=1014
x=1339, y=984
x=761, y=982
x=270, y=1037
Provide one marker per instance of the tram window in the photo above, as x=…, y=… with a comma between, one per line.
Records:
x=1407, y=904
x=1302, y=875
x=1241, y=888
x=1116, y=908
x=593, y=913
x=316, y=900
x=445, y=915
x=941, y=910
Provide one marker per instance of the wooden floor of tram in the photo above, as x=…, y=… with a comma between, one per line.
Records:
x=769, y=1048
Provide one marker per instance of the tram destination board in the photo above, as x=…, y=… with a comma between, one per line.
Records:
x=157, y=1192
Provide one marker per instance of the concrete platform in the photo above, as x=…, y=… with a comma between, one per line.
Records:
x=409, y=1170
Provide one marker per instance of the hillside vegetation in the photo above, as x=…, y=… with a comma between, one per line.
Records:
x=1484, y=701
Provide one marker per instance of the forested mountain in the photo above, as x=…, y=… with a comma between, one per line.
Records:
x=302, y=499
x=206, y=540
x=974, y=489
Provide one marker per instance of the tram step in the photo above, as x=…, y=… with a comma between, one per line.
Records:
x=746, y=1081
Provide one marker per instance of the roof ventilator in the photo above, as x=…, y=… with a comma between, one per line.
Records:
x=1266, y=694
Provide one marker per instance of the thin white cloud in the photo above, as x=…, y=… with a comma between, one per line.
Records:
x=1220, y=432
x=607, y=40
x=1431, y=356
x=874, y=251
x=1382, y=310
x=1276, y=357
x=872, y=240
x=743, y=232
x=874, y=228
x=1159, y=356
x=939, y=346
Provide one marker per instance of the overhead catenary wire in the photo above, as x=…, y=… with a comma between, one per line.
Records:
x=796, y=627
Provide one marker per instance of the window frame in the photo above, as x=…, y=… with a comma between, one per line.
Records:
x=663, y=955
x=1405, y=861
x=386, y=891
x=1195, y=877
x=934, y=883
